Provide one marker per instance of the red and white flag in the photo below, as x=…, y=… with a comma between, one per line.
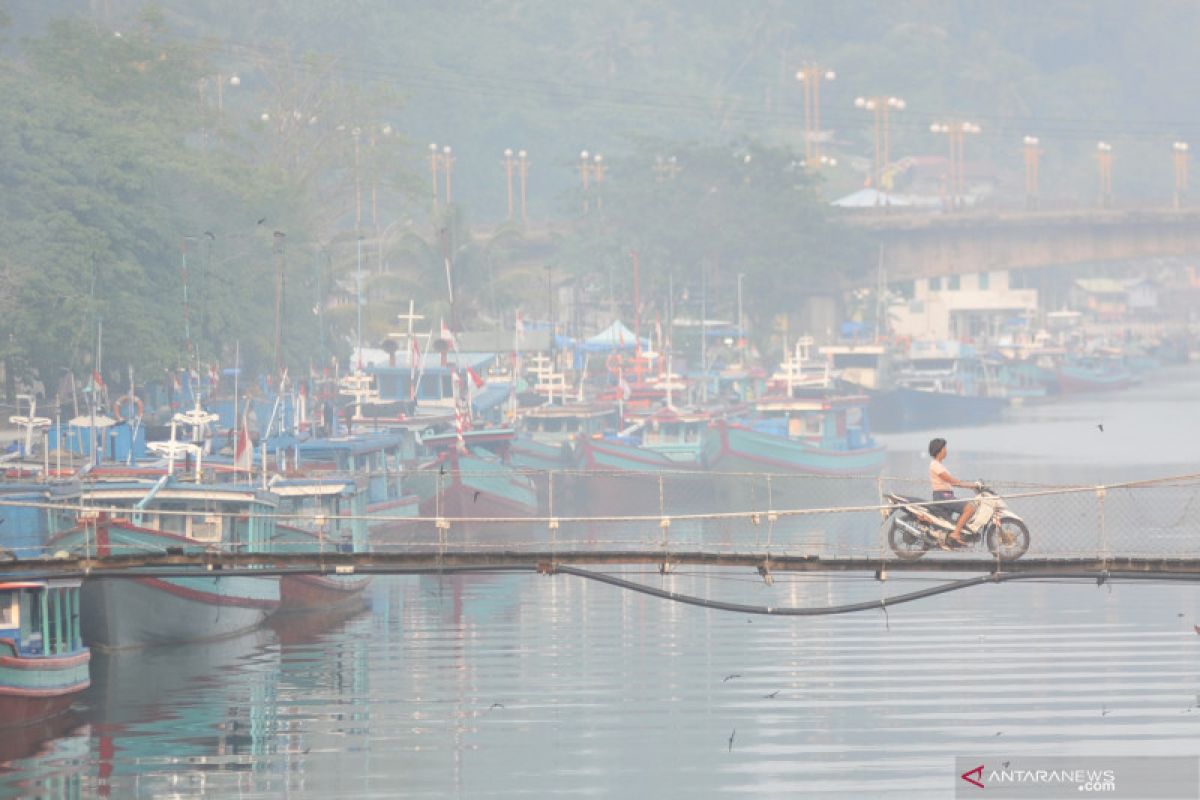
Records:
x=413, y=367
x=243, y=453
x=475, y=379
x=448, y=337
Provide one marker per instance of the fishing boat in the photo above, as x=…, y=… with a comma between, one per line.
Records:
x=1017, y=380
x=1093, y=374
x=375, y=462
x=469, y=479
x=804, y=423
x=321, y=515
x=941, y=385
x=547, y=434
x=171, y=515
x=43, y=661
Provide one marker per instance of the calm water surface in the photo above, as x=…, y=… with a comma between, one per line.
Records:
x=528, y=686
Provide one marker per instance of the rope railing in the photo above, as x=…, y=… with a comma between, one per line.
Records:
x=736, y=513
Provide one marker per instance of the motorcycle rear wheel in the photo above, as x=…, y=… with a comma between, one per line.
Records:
x=906, y=546
x=1009, y=540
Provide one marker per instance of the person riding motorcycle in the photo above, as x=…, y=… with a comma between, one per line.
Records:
x=943, y=483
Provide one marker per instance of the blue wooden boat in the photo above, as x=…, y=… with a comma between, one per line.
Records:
x=547, y=434
x=942, y=385
x=804, y=424
x=43, y=661
x=1093, y=374
x=165, y=516
x=375, y=463
x=321, y=515
x=471, y=480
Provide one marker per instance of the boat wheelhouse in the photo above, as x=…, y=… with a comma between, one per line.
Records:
x=43, y=661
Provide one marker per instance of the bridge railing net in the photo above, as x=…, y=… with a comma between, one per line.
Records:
x=808, y=515
x=798, y=515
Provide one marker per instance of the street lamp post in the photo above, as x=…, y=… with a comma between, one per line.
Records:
x=519, y=165
x=955, y=178
x=434, y=159
x=523, y=172
x=741, y=328
x=509, y=164
x=444, y=161
x=881, y=107
x=666, y=169
x=1104, y=162
x=448, y=167
x=591, y=170
x=1032, y=155
x=1181, y=171
x=811, y=76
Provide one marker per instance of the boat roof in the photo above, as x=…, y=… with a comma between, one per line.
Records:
x=558, y=410
x=313, y=487
x=354, y=444
x=175, y=490
x=845, y=349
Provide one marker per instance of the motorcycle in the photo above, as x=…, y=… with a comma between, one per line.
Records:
x=918, y=524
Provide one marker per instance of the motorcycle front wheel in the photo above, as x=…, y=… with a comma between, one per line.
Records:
x=904, y=544
x=1008, y=540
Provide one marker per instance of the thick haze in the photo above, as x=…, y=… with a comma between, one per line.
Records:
x=630, y=80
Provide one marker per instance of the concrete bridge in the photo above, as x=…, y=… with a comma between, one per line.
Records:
x=920, y=245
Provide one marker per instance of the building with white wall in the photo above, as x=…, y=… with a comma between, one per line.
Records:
x=966, y=307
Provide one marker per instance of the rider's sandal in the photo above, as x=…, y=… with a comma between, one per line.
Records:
x=955, y=543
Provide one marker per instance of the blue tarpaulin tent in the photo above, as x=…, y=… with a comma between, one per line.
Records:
x=614, y=337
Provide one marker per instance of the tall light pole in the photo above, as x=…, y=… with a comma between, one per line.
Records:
x=357, y=134
x=665, y=169
x=741, y=328
x=955, y=177
x=509, y=164
x=810, y=77
x=448, y=166
x=591, y=170
x=435, y=159
x=1180, y=150
x=881, y=107
x=1032, y=155
x=523, y=172
x=1104, y=162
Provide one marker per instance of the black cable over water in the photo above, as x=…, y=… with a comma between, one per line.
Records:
x=866, y=605
x=805, y=611
x=1100, y=577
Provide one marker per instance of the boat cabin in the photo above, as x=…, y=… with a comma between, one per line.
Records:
x=829, y=422
x=316, y=512
x=864, y=365
x=40, y=618
x=554, y=424
x=229, y=516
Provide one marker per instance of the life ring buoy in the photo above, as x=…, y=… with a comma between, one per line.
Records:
x=128, y=398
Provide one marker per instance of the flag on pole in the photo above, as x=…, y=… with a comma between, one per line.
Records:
x=413, y=367
x=475, y=379
x=243, y=453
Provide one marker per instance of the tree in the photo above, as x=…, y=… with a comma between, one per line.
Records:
x=749, y=209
